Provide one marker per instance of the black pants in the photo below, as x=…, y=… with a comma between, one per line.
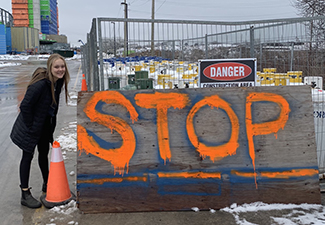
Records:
x=43, y=147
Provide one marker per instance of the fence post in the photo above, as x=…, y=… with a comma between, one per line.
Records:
x=261, y=56
x=90, y=62
x=163, y=50
x=182, y=50
x=101, y=62
x=252, y=55
x=83, y=56
x=291, y=56
x=173, y=57
x=93, y=53
x=85, y=62
x=206, y=46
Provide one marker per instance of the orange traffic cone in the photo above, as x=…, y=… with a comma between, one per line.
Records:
x=83, y=83
x=58, y=192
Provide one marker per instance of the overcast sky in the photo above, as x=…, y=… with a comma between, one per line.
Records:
x=75, y=16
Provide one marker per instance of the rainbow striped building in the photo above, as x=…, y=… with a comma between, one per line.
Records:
x=39, y=14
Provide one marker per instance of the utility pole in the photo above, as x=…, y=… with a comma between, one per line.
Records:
x=114, y=39
x=125, y=28
x=153, y=29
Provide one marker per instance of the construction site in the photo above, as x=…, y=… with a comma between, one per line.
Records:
x=31, y=28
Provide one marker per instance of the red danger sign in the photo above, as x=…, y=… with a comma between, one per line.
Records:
x=227, y=71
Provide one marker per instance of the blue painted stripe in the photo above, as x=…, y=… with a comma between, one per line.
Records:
x=179, y=186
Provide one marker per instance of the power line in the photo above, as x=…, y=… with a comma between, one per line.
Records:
x=160, y=6
x=142, y=3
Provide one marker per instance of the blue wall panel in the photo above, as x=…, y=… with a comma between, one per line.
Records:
x=45, y=24
x=8, y=40
x=3, y=48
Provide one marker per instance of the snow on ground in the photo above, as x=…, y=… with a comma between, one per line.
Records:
x=4, y=64
x=72, y=101
x=30, y=57
x=58, y=214
x=7, y=60
x=300, y=214
x=13, y=57
x=65, y=209
x=68, y=139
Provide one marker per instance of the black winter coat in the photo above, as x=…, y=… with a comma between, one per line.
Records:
x=34, y=110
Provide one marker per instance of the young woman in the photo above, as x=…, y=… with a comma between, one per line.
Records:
x=36, y=121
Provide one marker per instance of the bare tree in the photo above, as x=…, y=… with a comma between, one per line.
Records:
x=316, y=33
x=312, y=8
x=110, y=45
x=309, y=8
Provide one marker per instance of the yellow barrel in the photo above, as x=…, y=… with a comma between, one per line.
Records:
x=299, y=73
x=166, y=76
x=271, y=76
x=137, y=67
x=189, y=75
x=179, y=69
x=193, y=82
x=258, y=76
x=152, y=69
x=261, y=77
x=279, y=81
x=186, y=76
x=269, y=70
x=278, y=77
x=294, y=76
x=267, y=79
x=170, y=84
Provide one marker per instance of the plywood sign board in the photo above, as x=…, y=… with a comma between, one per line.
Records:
x=167, y=150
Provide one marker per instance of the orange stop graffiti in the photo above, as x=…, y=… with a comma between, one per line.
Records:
x=267, y=127
x=118, y=157
x=214, y=152
x=161, y=102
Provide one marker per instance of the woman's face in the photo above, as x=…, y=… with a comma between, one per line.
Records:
x=58, y=69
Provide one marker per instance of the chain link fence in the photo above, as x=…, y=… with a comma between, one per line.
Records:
x=288, y=52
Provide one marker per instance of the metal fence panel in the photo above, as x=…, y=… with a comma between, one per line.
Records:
x=288, y=52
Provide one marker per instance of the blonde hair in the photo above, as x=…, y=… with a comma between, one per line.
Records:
x=66, y=77
x=43, y=73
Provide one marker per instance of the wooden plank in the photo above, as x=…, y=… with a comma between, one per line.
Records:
x=277, y=164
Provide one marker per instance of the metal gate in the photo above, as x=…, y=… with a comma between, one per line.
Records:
x=288, y=52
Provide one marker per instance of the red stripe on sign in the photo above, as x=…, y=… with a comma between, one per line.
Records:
x=227, y=71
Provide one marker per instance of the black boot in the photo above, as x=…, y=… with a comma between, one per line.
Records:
x=44, y=188
x=28, y=200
